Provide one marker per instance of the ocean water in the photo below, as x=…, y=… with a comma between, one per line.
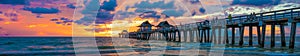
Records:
x=64, y=46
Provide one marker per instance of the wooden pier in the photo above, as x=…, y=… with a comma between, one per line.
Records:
x=205, y=31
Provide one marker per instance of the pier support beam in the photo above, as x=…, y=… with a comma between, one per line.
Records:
x=149, y=35
x=213, y=35
x=219, y=36
x=258, y=35
x=170, y=36
x=233, y=36
x=202, y=36
x=174, y=36
x=199, y=36
x=273, y=35
x=208, y=36
x=226, y=35
x=292, y=36
x=179, y=36
x=162, y=36
x=191, y=36
x=282, y=34
x=185, y=36
x=158, y=36
x=250, y=36
x=263, y=36
x=241, y=42
x=205, y=37
x=155, y=36
x=166, y=35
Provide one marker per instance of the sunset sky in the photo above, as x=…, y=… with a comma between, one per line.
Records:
x=107, y=18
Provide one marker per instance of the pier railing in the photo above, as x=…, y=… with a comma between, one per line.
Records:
x=265, y=16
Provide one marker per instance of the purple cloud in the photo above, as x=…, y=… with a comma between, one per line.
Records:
x=109, y=5
x=1, y=19
x=194, y=1
x=71, y=6
x=103, y=12
x=1, y=12
x=42, y=10
x=15, y=2
x=202, y=10
x=63, y=21
x=12, y=16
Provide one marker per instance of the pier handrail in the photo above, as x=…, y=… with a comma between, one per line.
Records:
x=261, y=16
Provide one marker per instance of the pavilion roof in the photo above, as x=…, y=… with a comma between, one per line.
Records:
x=164, y=24
x=144, y=24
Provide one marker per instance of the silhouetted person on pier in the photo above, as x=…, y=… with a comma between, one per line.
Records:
x=229, y=17
x=252, y=16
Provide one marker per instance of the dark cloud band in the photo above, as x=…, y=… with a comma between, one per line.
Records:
x=42, y=10
x=14, y=2
x=255, y=2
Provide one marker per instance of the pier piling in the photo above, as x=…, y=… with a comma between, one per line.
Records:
x=226, y=35
x=185, y=36
x=250, y=36
x=191, y=36
x=258, y=35
x=233, y=36
x=219, y=35
x=208, y=36
x=282, y=34
x=292, y=36
x=205, y=37
x=273, y=35
x=179, y=36
x=241, y=42
x=263, y=36
x=197, y=36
